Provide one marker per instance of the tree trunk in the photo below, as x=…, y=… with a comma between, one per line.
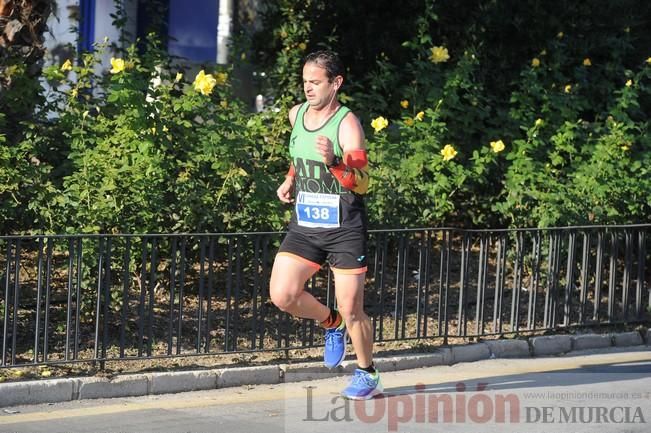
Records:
x=22, y=25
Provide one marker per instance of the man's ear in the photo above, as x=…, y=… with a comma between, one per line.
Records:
x=338, y=81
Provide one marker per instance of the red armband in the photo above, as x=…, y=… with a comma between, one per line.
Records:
x=352, y=171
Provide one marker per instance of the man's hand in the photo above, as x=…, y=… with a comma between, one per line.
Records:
x=286, y=190
x=325, y=148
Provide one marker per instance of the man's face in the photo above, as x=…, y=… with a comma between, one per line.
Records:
x=319, y=92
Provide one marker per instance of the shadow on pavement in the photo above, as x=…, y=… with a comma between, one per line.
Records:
x=585, y=375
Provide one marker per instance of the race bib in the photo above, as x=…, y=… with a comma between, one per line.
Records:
x=317, y=210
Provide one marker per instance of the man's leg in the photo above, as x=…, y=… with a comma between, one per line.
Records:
x=287, y=288
x=349, y=291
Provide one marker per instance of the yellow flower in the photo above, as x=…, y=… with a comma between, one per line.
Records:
x=46, y=373
x=67, y=66
x=404, y=103
x=118, y=65
x=302, y=46
x=220, y=78
x=179, y=77
x=535, y=62
x=568, y=88
x=629, y=83
x=648, y=60
x=497, y=146
x=439, y=55
x=223, y=103
x=587, y=62
x=409, y=121
x=560, y=35
x=165, y=129
x=625, y=148
x=379, y=123
x=204, y=83
x=539, y=122
x=420, y=116
x=448, y=152
x=74, y=92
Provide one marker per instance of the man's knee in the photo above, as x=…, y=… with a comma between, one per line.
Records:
x=282, y=297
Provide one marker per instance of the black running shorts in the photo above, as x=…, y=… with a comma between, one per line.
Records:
x=344, y=249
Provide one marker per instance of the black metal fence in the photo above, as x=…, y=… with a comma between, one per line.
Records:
x=102, y=297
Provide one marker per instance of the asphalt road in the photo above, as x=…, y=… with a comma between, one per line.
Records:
x=591, y=392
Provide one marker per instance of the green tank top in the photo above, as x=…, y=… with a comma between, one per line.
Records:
x=313, y=176
x=311, y=173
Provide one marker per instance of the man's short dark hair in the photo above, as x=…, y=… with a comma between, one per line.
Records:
x=328, y=60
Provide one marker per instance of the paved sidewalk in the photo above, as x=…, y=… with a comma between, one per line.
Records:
x=62, y=390
x=593, y=391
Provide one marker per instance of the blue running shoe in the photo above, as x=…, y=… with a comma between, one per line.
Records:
x=335, y=346
x=363, y=386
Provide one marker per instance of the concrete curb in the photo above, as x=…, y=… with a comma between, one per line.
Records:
x=591, y=341
x=470, y=352
x=122, y=386
x=442, y=356
x=168, y=383
x=266, y=374
x=60, y=390
x=625, y=339
x=46, y=391
x=509, y=348
x=550, y=345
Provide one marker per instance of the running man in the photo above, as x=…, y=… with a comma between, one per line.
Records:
x=326, y=182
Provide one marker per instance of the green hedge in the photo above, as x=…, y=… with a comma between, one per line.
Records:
x=500, y=113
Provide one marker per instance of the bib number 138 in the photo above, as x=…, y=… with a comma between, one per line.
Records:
x=317, y=210
x=317, y=213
